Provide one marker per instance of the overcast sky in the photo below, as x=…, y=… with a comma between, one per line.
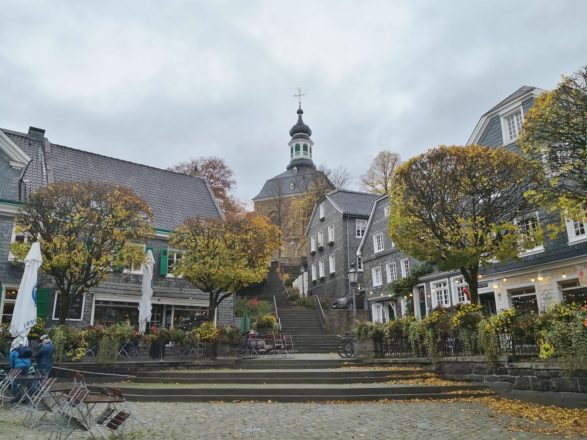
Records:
x=158, y=82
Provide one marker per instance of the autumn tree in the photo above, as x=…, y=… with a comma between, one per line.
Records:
x=219, y=176
x=555, y=133
x=377, y=179
x=82, y=228
x=457, y=207
x=223, y=256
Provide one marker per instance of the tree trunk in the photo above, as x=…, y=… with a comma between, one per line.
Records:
x=471, y=275
x=64, y=302
x=212, y=305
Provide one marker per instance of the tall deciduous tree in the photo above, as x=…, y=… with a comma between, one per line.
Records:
x=555, y=133
x=377, y=179
x=82, y=227
x=221, y=257
x=457, y=206
x=219, y=176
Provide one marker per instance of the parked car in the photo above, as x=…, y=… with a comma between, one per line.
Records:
x=346, y=302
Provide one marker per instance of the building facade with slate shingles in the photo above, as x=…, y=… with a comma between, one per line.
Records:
x=277, y=194
x=552, y=272
x=29, y=161
x=383, y=263
x=334, y=232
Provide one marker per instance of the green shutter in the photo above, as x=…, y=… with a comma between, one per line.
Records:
x=42, y=303
x=163, y=265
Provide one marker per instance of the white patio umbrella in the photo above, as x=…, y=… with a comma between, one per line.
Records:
x=25, y=307
x=147, y=292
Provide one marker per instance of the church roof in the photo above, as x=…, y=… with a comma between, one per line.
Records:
x=300, y=127
x=291, y=182
x=173, y=197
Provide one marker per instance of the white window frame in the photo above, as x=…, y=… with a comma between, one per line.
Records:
x=332, y=263
x=320, y=239
x=312, y=244
x=504, y=116
x=378, y=245
x=321, y=211
x=391, y=271
x=173, y=252
x=331, y=234
x=440, y=293
x=321, y=272
x=405, y=267
x=377, y=275
x=359, y=264
x=536, y=249
x=26, y=237
x=55, y=318
x=132, y=270
x=360, y=228
x=572, y=226
x=458, y=293
x=313, y=267
x=386, y=210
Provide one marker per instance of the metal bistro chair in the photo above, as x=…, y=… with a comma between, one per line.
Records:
x=6, y=383
x=71, y=408
x=288, y=345
x=37, y=402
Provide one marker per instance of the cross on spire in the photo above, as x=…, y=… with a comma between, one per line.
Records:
x=299, y=96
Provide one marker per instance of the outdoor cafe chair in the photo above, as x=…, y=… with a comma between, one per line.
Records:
x=288, y=345
x=37, y=402
x=72, y=412
x=5, y=384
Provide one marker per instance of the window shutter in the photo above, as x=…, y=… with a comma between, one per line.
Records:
x=163, y=265
x=42, y=303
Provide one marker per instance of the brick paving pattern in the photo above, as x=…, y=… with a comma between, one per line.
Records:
x=248, y=420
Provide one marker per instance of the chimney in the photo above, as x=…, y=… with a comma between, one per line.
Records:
x=36, y=133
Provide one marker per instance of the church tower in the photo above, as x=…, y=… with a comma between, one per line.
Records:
x=276, y=197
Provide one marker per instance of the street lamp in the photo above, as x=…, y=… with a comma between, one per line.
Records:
x=352, y=275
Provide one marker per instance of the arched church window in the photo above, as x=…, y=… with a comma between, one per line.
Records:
x=297, y=149
x=305, y=149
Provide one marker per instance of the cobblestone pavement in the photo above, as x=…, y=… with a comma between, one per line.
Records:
x=395, y=420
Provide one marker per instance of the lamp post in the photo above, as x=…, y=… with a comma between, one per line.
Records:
x=352, y=275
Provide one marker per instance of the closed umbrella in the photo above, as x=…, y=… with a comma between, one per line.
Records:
x=25, y=307
x=147, y=292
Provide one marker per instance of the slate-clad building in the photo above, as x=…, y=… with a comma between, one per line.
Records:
x=334, y=232
x=549, y=273
x=383, y=263
x=30, y=161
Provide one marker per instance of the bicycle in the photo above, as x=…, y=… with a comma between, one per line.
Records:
x=346, y=347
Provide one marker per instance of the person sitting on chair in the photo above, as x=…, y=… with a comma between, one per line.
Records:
x=44, y=356
x=20, y=358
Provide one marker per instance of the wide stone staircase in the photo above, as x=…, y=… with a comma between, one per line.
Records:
x=302, y=323
x=295, y=380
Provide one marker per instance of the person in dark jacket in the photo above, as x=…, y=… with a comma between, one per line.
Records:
x=20, y=358
x=44, y=356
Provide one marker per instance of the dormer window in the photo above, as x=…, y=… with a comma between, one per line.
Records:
x=511, y=125
x=292, y=185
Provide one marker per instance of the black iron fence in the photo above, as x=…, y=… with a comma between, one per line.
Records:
x=515, y=347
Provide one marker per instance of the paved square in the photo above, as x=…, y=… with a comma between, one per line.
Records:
x=395, y=420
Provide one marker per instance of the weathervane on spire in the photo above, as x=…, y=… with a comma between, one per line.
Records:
x=299, y=96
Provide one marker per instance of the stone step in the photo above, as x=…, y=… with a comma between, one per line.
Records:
x=298, y=392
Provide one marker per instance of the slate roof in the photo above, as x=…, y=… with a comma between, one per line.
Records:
x=35, y=175
x=352, y=202
x=172, y=196
x=518, y=93
x=279, y=186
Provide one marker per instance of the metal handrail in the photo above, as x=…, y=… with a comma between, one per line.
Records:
x=320, y=310
x=276, y=313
